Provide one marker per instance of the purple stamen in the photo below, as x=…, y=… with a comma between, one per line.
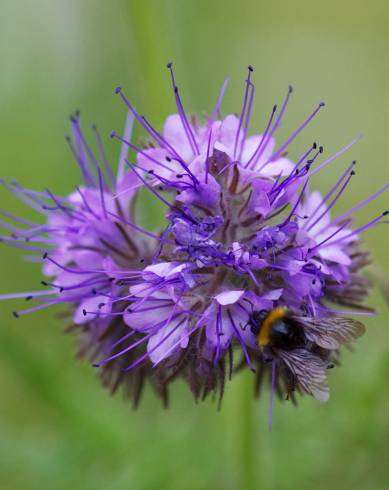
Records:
x=138, y=150
x=141, y=230
x=17, y=219
x=13, y=242
x=344, y=225
x=103, y=155
x=207, y=158
x=181, y=112
x=101, y=189
x=20, y=193
x=17, y=314
x=331, y=205
x=254, y=158
x=71, y=213
x=147, y=126
x=176, y=344
x=360, y=205
x=247, y=121
x=123, y=150
x=68, y=269
x=330, y=193
x=29, y=294
x=242, y=114
x=277, y=123
x=124, y=351
x=242, y=343
x=82, y=143
x=333, y=157
x=84, y=200
x=218, y=104
x=153, y=191
x=144, y=356
x=295, y=173
x=283, y=147
x=219, y=332
x=296, y=204
x=361, y=229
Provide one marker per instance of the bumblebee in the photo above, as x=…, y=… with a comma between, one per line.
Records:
x=276, y=328
x=302, y=347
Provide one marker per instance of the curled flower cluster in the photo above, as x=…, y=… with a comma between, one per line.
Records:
x=244, y=273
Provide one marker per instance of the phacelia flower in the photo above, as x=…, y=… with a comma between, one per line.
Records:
x=245, y=272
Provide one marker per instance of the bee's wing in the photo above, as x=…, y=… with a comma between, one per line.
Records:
x=309, y=371
x=331, y=333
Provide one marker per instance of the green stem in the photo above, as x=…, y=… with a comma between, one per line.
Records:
x=248, y=447
x=148, y=21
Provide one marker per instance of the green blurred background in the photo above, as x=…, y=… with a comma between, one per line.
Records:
x=58, y=429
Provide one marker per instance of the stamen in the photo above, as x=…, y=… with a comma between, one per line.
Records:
x=242, y=343
x=242, y=114
x=181, y=112
x=207, y=158
x=277, y=123
x=68, y=269
x=79, y=156
x=344, y=225
x=138, y=150
x=101, y=188
x=128, y=127
x=333, y=157
x=176, y=344
x=138, y=228
x=84, y=200
x=84, y=144
x=283, y=147
x=352, y=173
x=254, y=158
x=218, y=104
x=361, y=229
x=360, y=205
x=20, y=313
x=147, y=126
x=247, y=118
x=71, y=213
x=295, y=173
x=296, y=204
x=29, y=294
x=13, y=242
x=21, y=194
x=124, y=351
x=147, y=354
x=330, y=193
x=219, y=332
x=103, y=155
x=153, y=191
x=18, y=219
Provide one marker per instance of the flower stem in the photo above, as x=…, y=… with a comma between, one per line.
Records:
x=148, y=21
x=248, y=446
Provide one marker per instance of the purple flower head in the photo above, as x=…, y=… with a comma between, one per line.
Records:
x=245, y=271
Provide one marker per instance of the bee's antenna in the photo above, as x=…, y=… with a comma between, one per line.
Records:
x=250, y=303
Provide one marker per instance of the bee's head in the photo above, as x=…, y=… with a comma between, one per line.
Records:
x=276, y=328
x=256, y=320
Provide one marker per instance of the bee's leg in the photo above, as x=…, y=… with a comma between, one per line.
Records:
x=290, y=381
x=244, y=327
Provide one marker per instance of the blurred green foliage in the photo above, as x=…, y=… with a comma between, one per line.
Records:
x=58, y=428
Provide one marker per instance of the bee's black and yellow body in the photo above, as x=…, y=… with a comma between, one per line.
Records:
x=303, y=347
x=276, y=328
